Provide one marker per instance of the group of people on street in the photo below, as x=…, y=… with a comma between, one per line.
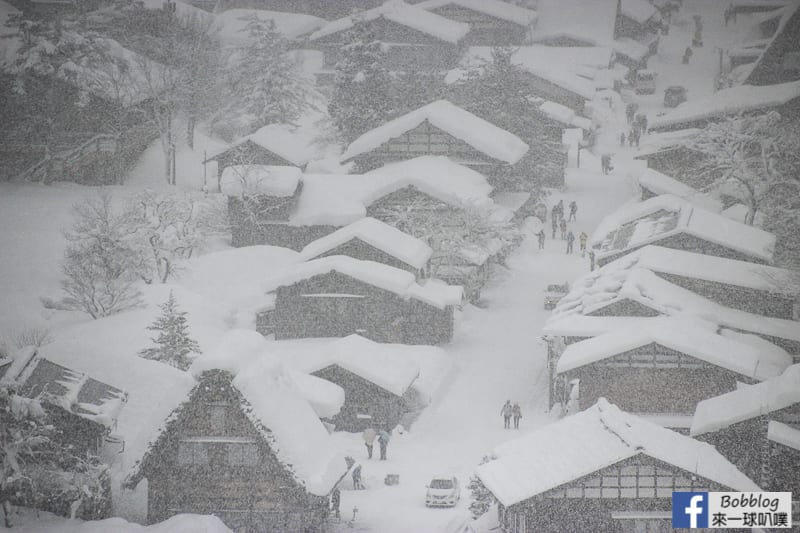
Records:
x=511, y=411
x=560, y=224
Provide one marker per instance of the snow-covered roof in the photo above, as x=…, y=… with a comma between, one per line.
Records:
x=461, y=124
x=691, y=337
x=493, y=8
x=565, y=67
x=231, y=25
x=783, y=434
x=663, y=216
x=730, y=101
x=7, y=10
x=745, y=403
x=639, y=10
x=382, y=364
x=591, y=22
x=380, y=235
x=590, y=441
x=296, y=146
x=183, y=9
x=260, y=179
x=404, y=14
x=716, y=269
x=273, y=402
x=659, y=183
x=565, y=115
x=338, y=200
x=379, y=275
x=324, y=397
x=657, y=142
x=578, y=325
x=71, y=390
x=621, y=280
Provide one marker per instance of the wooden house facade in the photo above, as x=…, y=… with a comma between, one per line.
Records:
x=213, y=458
x=366, y=404
x=338, y=296
x=619, y=474
x=757, y=429
x=248, y=152
x=647, y=372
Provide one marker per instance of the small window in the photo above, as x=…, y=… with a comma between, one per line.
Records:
x=192, y=453
x=242, y=454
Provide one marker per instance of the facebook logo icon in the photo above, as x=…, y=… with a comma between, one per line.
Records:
x=689, y=509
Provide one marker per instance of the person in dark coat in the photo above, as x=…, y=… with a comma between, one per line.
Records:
x=516, y=411
x=573, y=211
x=563, y=229
x=555, y=224
x=622, y=139
x=357, y=484
x=383, y=442
x=541, y=239
x=687, y=55
x=570, y=241
x=507, y=410
x=583, y=238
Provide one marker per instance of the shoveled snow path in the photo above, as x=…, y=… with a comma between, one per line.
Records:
x=497, y=355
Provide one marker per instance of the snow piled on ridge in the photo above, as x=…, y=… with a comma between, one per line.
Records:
x=461, y=124
x=278, y=409
x=590, y=440
x=494, y=8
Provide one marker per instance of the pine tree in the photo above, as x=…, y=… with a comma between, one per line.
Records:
x=173, y=344
x=482, y=499
x=363, y=90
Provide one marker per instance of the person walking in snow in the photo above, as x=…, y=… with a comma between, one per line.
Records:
x=507, y=411
x=570, y=241
x=369, y=440
x=636, y=135
x=541, y=239
x=357, y=484
x=622, y=139
x=383, y=442
x=563, y=227
x=516, y=411
x=555, y=223
x=573, y=211
x=687, y=55
x=583, y=238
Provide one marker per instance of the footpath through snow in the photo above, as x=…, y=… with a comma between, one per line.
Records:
x=497, y=355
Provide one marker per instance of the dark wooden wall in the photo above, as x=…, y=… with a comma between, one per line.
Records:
x=358, y=249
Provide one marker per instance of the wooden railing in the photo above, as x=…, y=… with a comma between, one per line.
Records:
x=71, y=159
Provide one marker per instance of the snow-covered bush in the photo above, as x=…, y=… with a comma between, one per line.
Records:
x=482, y=499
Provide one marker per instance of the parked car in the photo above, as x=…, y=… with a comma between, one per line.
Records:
x=645, y=82
x=674, y=96
x=443, y=492
x=553, y=295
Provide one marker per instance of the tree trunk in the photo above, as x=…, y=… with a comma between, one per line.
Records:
x=190, y=123
x=750, y=217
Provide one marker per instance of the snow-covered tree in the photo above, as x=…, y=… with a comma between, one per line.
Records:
x=748, y=156
x=362, y=92
x=165, y=230
x=173, y=345
x=262, y=81
x=100, y=263
x=482, y=499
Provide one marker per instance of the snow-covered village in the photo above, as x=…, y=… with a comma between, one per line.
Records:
x=387, y=266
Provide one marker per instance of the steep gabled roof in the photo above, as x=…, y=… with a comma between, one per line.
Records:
x=272, y=401
x=590, y=441
x=385, y=277
x=238, y=180
x=745, y=403
x=656, y=218
x=691, y=337
x=485, y=137
x=493, y=8
x=404, y=14
x=293, y=146
x=384, y=237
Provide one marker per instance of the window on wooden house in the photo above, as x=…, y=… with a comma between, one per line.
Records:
x=242, y=453
x=192, y=453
